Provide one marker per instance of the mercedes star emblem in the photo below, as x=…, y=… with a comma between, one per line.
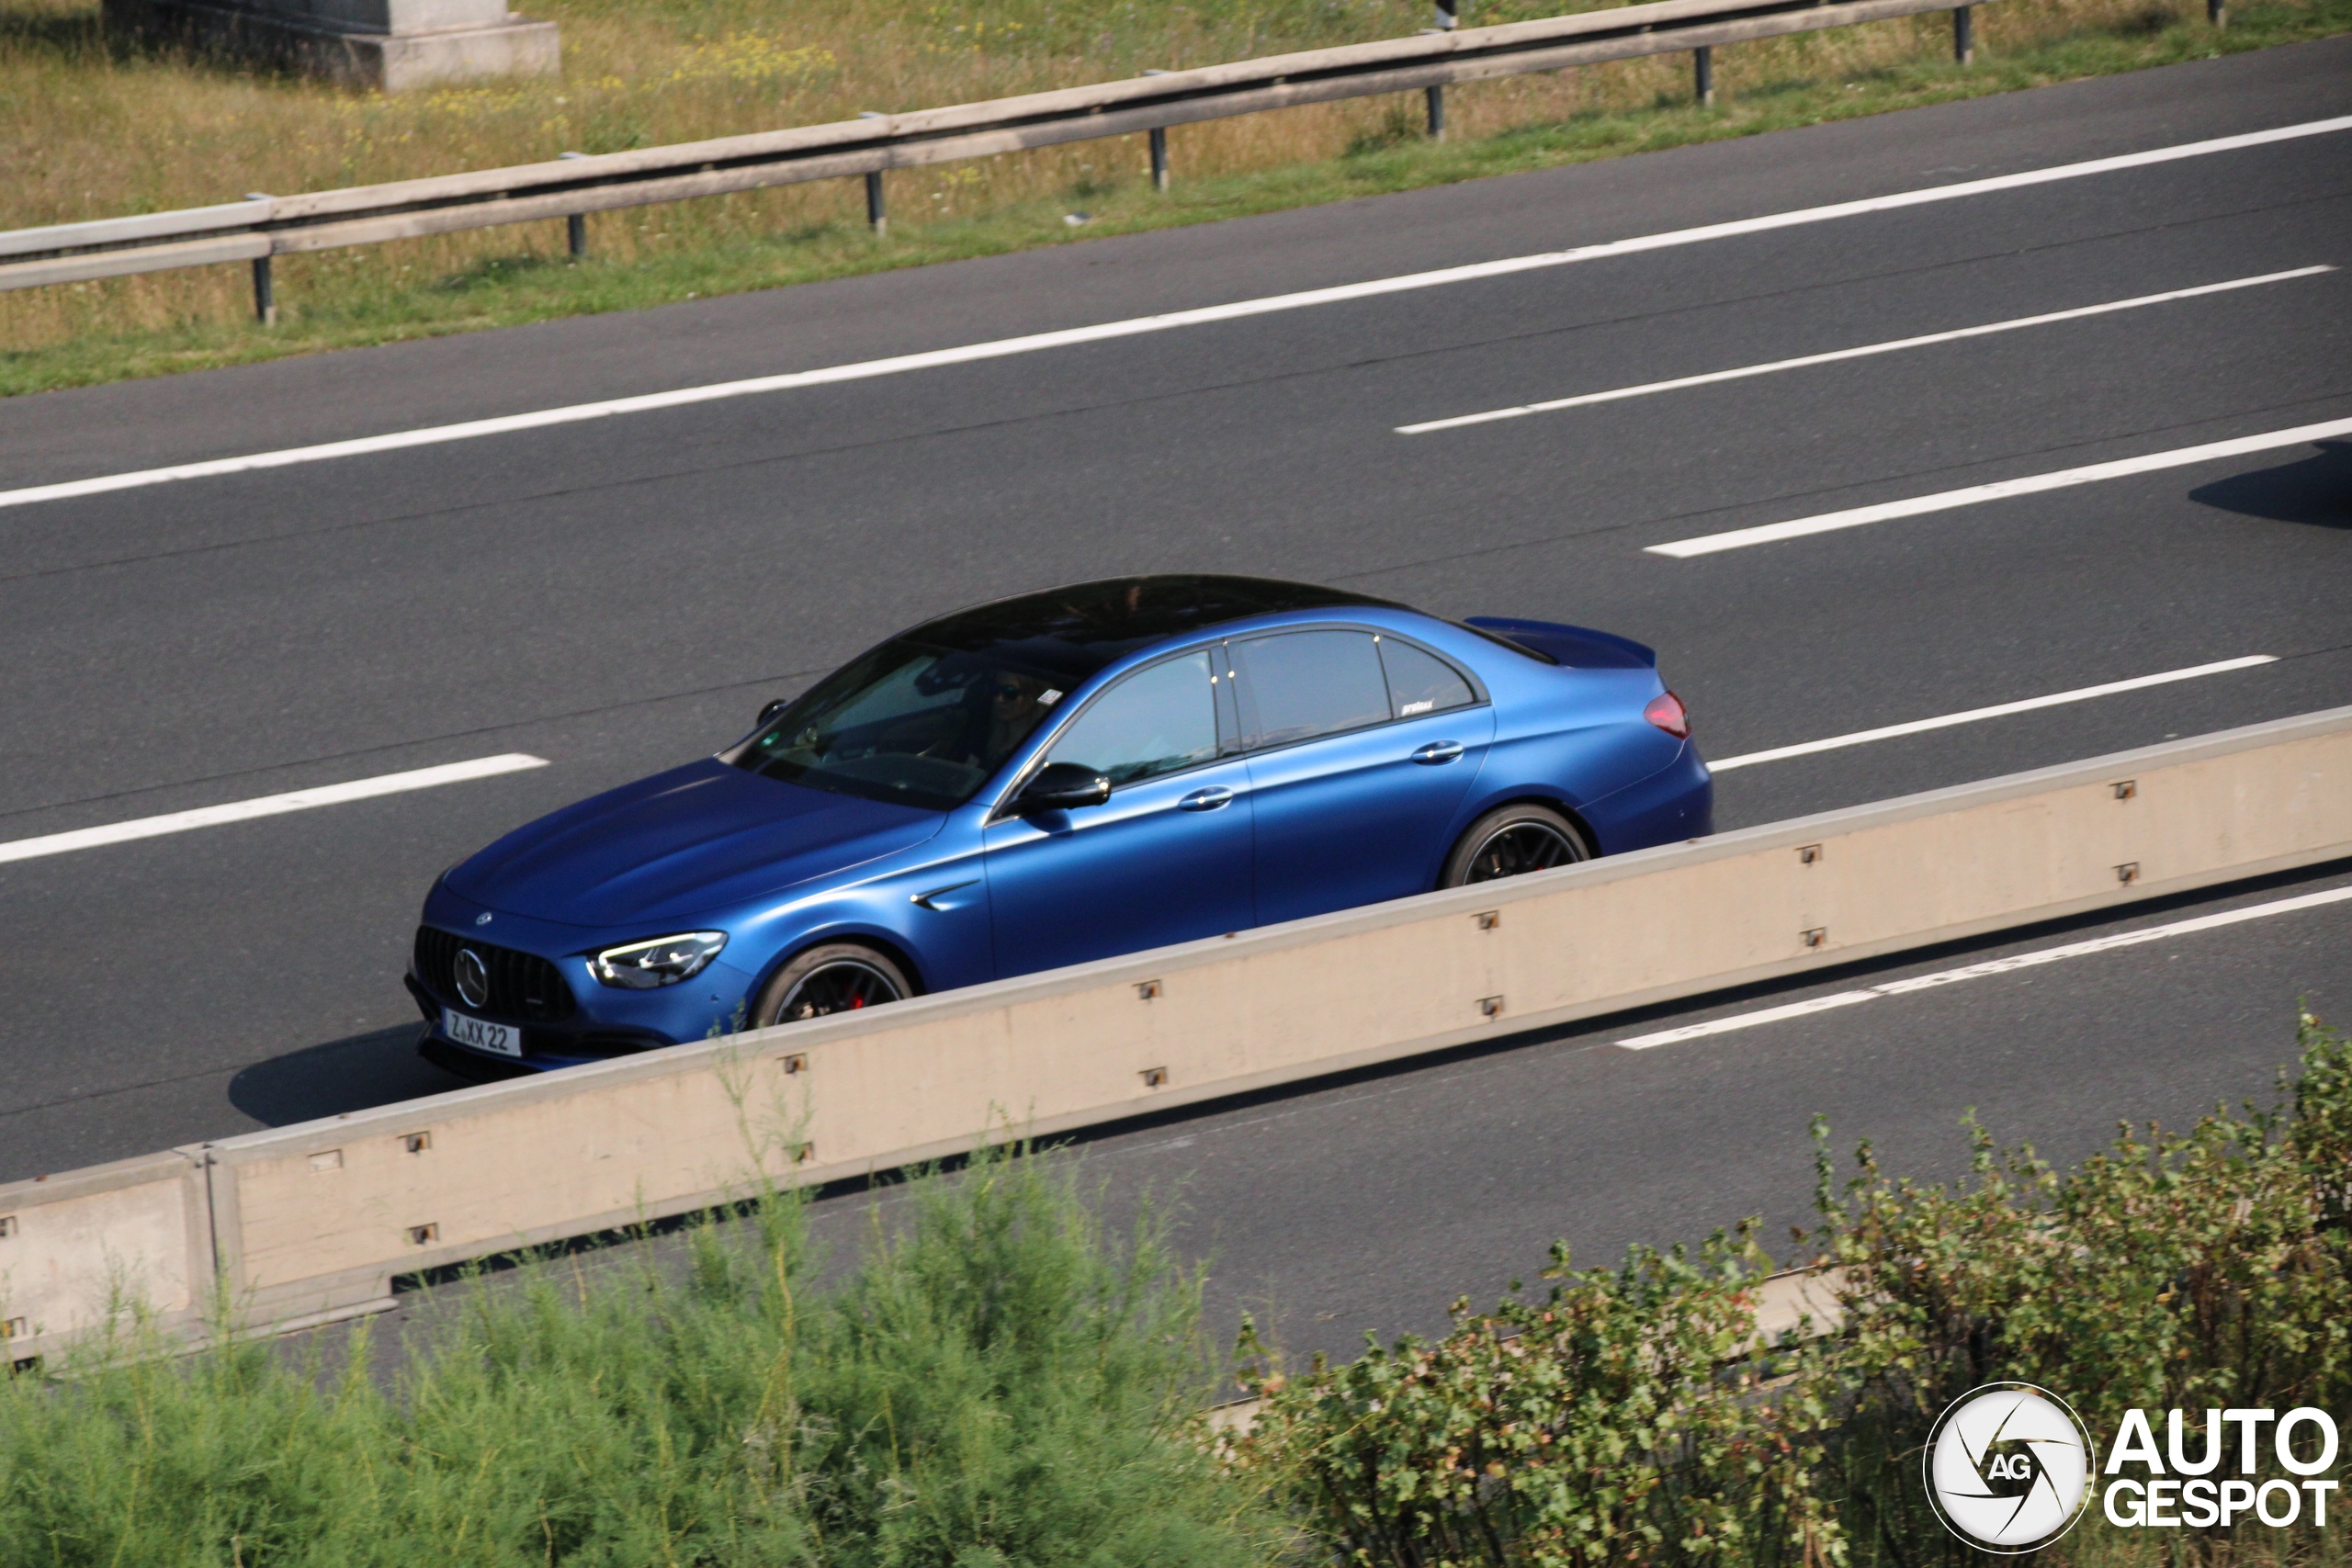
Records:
x=472, y=977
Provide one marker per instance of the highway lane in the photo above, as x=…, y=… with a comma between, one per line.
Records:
x=616, y=596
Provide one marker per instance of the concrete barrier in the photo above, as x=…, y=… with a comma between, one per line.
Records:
x=318, y=1219
x=79, y=1248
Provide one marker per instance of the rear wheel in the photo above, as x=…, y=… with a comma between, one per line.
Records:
x=838, y=977
x=1511, y=840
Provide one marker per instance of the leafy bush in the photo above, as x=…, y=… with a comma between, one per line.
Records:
x=2205, y=1269
x=1599, y=1426
x=998, y=1384
x=1629, y=1418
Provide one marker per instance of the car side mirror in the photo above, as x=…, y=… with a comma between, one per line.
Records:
x=770, y=710
x=1060, y=787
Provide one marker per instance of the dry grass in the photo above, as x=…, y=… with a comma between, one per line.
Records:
x=88, y=129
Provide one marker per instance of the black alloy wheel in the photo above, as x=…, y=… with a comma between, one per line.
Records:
x=1511, y=841
x=837, y=978
x=1521, y=848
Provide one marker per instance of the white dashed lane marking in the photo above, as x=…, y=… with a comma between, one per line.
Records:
x=1989, y=967
x=267, y=806
x=1998, y=710
x=1866, y=351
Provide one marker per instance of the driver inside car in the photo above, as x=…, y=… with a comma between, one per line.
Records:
x=1010, y=706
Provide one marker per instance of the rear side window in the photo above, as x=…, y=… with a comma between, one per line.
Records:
x=1421, y=682
x=1302, y=684
x=1156, y=721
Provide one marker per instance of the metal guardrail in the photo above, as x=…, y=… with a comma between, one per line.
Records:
x=265, y=226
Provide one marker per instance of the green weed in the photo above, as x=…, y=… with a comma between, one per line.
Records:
x=995, y=1382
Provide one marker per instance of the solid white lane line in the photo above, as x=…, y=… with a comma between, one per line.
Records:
x=1141, y=324
x=1998, y=710
x=1865, y=351
x=1991, y=966
x=2109, y=943
x=2033, y=484
x=1749, y=1020
x=268, y=806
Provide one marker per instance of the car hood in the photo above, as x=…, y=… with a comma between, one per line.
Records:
x=691, y=840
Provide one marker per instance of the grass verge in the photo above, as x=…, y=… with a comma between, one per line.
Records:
x=86, y=131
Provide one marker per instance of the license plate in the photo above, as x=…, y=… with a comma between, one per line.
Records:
x=497, y=1039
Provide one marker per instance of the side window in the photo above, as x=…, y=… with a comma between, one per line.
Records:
x=1157, y=721
x=1297, y=685
x=1421, y=682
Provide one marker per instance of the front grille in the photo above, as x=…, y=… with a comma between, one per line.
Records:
x=522, y=984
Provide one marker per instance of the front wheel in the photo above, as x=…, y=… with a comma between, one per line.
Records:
x=837, y=977
x=1511, y=840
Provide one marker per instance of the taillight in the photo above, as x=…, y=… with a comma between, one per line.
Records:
x=1667, y=712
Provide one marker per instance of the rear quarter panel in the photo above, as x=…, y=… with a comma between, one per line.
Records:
x=1570, y=734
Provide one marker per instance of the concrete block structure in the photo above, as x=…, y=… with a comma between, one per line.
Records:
x=391, y=45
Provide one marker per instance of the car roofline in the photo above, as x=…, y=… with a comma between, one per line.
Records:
x=1366, y=601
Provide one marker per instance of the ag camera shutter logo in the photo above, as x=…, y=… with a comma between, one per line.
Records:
x=2008, y=1468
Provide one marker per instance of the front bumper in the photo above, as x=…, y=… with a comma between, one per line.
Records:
x=566, y=1043
x=565, y=1017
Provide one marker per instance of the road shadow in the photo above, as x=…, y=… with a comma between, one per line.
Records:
x=2316, y=490
x=357, y=1073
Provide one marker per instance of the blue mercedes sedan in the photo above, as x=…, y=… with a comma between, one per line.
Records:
x=1047, y=779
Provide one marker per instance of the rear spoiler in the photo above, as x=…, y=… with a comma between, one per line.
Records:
x=1577, y=647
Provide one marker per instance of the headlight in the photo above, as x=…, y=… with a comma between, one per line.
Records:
x=665, y=961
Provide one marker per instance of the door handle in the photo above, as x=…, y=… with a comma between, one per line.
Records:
x=1439, y=752
x=1207, y=799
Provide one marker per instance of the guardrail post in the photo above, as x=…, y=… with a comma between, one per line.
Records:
x=575, y=224
x=877, y=217
x=265, y=301
x=1963, y=36
x=1447, y=18
x=2217, y=13
x=1703, y=76
x=1159, y=149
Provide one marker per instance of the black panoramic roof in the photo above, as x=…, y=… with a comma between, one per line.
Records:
x=1085, y=627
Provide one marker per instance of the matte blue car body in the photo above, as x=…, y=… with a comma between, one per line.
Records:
x=781, y=867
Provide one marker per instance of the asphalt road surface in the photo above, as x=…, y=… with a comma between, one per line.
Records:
x=616, y=595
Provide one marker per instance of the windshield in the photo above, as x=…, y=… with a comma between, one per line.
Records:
x=909, y=723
